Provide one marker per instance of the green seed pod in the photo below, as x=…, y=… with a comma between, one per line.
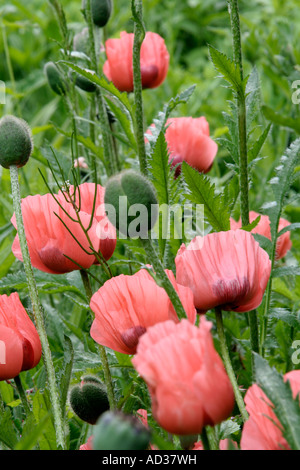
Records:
x=117, y=431
x=84, y=83
x=16, y=143
x=89, y=399
x=131, y=203
x=55, y=78
x=81, y=42
x=100, y=10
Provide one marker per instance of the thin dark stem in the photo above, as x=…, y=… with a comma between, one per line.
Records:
x=22, y=394
x=228, y=365
x=139, y=34
x=102, y=351
x=166, y=283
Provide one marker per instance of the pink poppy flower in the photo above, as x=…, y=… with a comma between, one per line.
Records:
x=125, y=306
x=20, y=346
x=189, y=140
x=185, y=375
x=284, y=243
x=50, y=243
x=226, y=269
x=263, y=431
x=88, y=445
x=154, y=61
x=223, y=445
x=105, y=230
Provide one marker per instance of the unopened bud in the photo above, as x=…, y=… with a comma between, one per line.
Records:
x=89, y=399
x=117, y=431
x=16, y=144
x=134, y=200
x=100, y=10
x=55, y=78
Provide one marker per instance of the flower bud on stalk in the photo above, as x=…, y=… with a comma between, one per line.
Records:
x=117, y=431
x=55, y=78
x=100, y=10
x=138, y=191
x=89, y=399
x=16, y=144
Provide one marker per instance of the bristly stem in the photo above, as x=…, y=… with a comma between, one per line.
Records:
x=101, y=349
x=139, y=35
x=37, y=311
x=233, y=9
x=22, y=394
x=103, y=117
x=241, y=104
x=165, y=281
x=228, y=365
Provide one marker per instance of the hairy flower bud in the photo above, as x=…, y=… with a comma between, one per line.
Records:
x=117, y=431
x=89, y=399
x=16, y=144
x=55, y=78
x=100, y=10
x=134, y=200
x=81, y=41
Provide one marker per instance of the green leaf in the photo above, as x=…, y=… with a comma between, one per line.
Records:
x=285, y=315
x=41, y=407
x=31, y=432
x=8, y=434
x=123, y=119
x=256, y=148
x=227, y=68
x=281, y=120
x=105, y=84
x=280, y=394
x=202, y=191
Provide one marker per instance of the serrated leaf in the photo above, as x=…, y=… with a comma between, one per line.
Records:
x=227, y=68
x=102, y=82
x=202, y=191
x=280, y=394
x=8, y=434
x=256, y=148
x=278, y=118
x=285, y=315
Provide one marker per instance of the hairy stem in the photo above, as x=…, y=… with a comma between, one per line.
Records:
x=22, y=394
x=243, y=150
x=101, y=349
x=139, y=34
x=228, y=365
x=37, y=310
x=166, y=283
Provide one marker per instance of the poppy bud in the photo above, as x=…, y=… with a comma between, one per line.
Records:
x=129, y=193
x=89, y=399
x=16, y=144
x=100, y=10
x=117, y=431
x=81, y=41
x=84, y=83
x=55, y=78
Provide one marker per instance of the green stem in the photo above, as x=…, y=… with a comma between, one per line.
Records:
x=37, y=310
x=166, y=283
x=241, y=103
x=243, y=150
x=22, y=394
x=228, y=365
x=103, y=117
x=101, y=349
x=139, y=34
x=205, y=440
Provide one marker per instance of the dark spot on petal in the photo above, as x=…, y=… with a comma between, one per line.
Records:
x=231, y=292
x=149, y=75
x=131, y=336
x=54, y=259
